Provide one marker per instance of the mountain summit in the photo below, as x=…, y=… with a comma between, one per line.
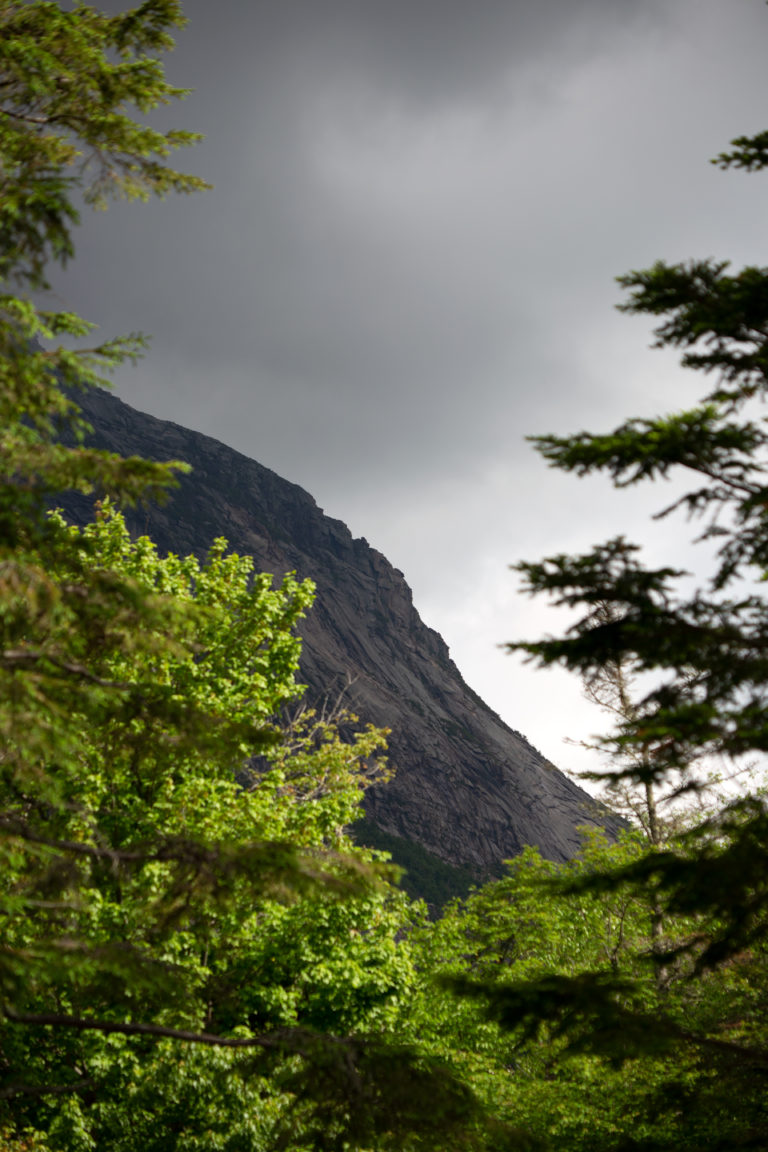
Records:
x=469, y=789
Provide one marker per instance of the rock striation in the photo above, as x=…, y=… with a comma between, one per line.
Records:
x=469, y=789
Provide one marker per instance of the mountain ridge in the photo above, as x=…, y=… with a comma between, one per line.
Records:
x=468, y=788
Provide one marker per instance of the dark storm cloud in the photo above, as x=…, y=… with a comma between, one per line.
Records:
x=353, y=259
x=418, y=52
x=407, y=261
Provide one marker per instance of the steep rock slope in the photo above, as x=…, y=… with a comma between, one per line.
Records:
x=467, y=788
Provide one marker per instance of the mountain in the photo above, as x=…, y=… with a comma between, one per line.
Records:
x=468, y=791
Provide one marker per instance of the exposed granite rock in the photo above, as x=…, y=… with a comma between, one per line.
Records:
x=468, y=788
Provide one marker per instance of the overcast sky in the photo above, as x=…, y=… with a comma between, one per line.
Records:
x=406, y=265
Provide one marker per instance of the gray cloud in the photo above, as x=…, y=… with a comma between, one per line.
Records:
x=407, y=261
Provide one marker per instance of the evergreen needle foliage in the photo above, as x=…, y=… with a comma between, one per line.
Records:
x=680, y=1008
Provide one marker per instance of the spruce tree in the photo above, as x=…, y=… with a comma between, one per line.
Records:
x=703, y=651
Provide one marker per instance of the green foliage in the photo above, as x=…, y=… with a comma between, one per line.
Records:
x=425, y=876
x=69, y=82
x=561, y=1023
x=68, y=79
x=144, y=888
x=195, y=955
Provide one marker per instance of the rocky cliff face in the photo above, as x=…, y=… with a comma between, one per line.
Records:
x=467, y=788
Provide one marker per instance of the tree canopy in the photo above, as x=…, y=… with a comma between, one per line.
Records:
x=194, y=953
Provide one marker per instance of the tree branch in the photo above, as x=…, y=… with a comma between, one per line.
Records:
x=288, y=1040
x=44, y=1089
x=15, y=827
x=13, y=658
x=729, y=1047
x=127, y=1028
x=25, y=117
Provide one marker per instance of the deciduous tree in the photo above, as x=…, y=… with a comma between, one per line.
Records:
x=153, y=901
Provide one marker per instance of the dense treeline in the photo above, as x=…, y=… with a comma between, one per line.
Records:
x=195, y=953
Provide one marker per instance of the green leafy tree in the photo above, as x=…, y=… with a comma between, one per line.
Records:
x=193, y=954
x=521, y=929
x=160, y=897
x=546, y=936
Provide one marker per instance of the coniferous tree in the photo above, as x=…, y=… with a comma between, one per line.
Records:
x=706, y=653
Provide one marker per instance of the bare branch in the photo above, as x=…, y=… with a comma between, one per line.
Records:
x=11, y=1090
x=13, y=658
x=25, y=117
x=286, y=1040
